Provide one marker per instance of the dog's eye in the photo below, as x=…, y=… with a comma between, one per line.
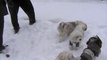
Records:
x=80, y=39
x=70, y=43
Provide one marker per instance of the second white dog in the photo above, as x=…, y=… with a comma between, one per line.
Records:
x=66, y=56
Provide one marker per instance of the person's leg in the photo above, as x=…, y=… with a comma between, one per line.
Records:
x=1, y=32
x=27, y=6
x=13, y=9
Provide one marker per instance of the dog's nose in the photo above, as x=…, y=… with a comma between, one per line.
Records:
x=70, y=43
x=77, y=44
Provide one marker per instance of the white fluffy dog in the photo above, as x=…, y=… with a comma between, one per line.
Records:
x=66, y=56
x=65, y=29
x=77, y=35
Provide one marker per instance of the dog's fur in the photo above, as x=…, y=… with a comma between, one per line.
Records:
x=87, y=54
x=65, y=29
x=66, y=56
x=93, y=49
x=77, y=35
x=94, y=43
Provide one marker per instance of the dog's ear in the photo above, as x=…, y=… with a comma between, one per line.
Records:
x=85, y=27
x=99, y=42
x=61, y=25
x=88, y=42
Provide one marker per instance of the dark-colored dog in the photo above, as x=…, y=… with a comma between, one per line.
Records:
x=93, y=49
x=95, y=44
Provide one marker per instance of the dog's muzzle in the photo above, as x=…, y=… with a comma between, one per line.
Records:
x=76, y=44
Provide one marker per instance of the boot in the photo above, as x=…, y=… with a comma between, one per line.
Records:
x=2, y=48
x=16, y=30
x=32, y=22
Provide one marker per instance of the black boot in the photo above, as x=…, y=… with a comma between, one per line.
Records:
x=16, y=30
x=2, y=48
x=32, y=22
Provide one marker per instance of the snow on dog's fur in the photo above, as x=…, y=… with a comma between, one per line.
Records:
x=66, y=56
x=65, y=28
x=77, y=35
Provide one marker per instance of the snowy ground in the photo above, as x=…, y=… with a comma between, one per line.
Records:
x=40, y=41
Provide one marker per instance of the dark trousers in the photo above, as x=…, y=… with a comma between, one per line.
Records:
x=26, y=5
x=1, y=29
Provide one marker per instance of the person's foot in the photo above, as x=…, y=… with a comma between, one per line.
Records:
x=32, y=22
x=16, y=30
x=2, y=48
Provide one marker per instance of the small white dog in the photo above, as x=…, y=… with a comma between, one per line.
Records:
x=66, y=56
x=65, y=29
x=77, y=35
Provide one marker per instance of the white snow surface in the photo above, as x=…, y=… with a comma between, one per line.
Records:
x=41, y=42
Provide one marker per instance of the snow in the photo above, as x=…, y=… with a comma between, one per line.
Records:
x=40, y=41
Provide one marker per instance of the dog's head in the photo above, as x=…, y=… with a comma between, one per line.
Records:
x=94, y=43
x=82, y=24
x=75, y=43
x=95, y=40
